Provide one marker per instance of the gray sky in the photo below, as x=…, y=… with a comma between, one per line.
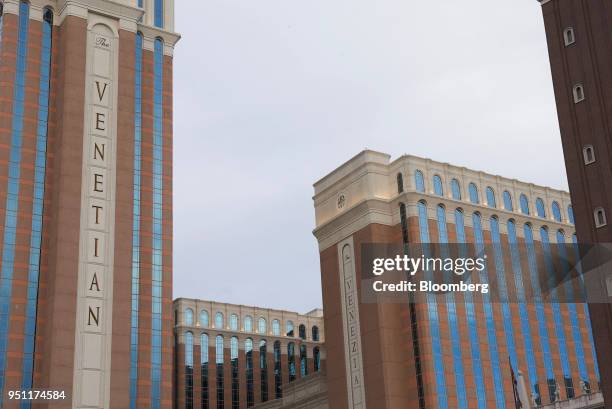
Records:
x=271, y=95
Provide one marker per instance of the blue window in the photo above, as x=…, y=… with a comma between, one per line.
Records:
x=290, y=329
x=516, y=256
x=491, y=202
x=496, y=364
x=508, y=201
x=316, y=352
x=159, y=13
x=234, y=372
x=248, y=350
x=400, y=183
x=570, y=214
x=219, y=366
x=303, y=361
x=438, y=188
x=456, y=189
x=451, y=309
x=540, y=208
x=234, y=322
x=302, y=331
x=263, y=370
x=219, y=320
x=204, y=321
x=204, y=383
x=419, y=181
x=432, y=308
x=278, y=378
x=157, y=228
x=188, y=316
x=261, y=328
x=219, y=349
x=524, y=204
x=291, y=361
x=189, y=370
x=315, y=333
x=556, y=211
x=473, y=190
x=276, y=328
x=248, y=324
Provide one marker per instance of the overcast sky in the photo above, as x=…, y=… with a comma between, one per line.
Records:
x=271, y=95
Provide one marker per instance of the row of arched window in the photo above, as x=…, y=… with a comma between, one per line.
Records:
x=490, y=197
x=248, y=368
x=247, y=324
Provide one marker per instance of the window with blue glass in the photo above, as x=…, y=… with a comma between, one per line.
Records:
x=189, y=370
x=540, y=208
x=316, y=356
x=451, y=308
x=508, y=201
x=234, y=371
x=515, y=257
x=261, y=328
x=400, y=183
x=276, y=328
x=204, y=388
x=456, y=189
x=524, y=204
x=250, y=388
x=491, y=202
x=432, y=308
x=289, y=328
x=496, y=364
x=188, y=316
x=12, y=190
x=37, y=205
x=263, y=370
x=157, y=228
x=302, y=331
x=220, y=381
x=248, y=323
x=234, y=322
x=303, y=361
x=219, y=320
x=315, y=333
x=570, y=214
x=159, y=13
x=291, y=361
x=278, y=378
x=438, y=187
x=556, y=211
x=204, y=321
x=419, y=181
x=473, y=191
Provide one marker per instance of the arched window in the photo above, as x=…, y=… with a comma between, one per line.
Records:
x=219, y=349
x=276, y=328
x=189, y=317
x=303, y=361
x=234, y=372
x=248, y=324
x=600, y=217
x=278, y=378
x=438, y=188
x=261, y=326
x=556, y=211
x=473, y=190
x=263, y=368
x=508, y=201
x=540, y=208
x=204, y=370
x=204, y=318
x=220, y=380
x=316, y=355
x=290, y=329
x=302, y=329
x=291, y=360
x=404, y=223
x=234, y=322
x=250, y=388
x=456, y=189
x=588, y=152
x=569, y=36
x=570, y=214
x=400, y=183
x=491, y=202
x=189, y=370
x=524, y=204
x=578, y=93
x=219, y=320
x=315, y=333
x=419, y=181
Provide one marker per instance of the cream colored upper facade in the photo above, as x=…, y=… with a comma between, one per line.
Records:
x=364, y=190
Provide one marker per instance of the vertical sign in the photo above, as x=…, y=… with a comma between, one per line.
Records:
x=352, y=332
x=94, y=305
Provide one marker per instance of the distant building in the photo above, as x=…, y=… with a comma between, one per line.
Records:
x=454, y=351
x=231, y=356
x=580, y=49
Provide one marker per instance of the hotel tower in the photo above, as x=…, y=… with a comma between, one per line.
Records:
x=457, y=350
x=580, y=50
x=86, y=203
